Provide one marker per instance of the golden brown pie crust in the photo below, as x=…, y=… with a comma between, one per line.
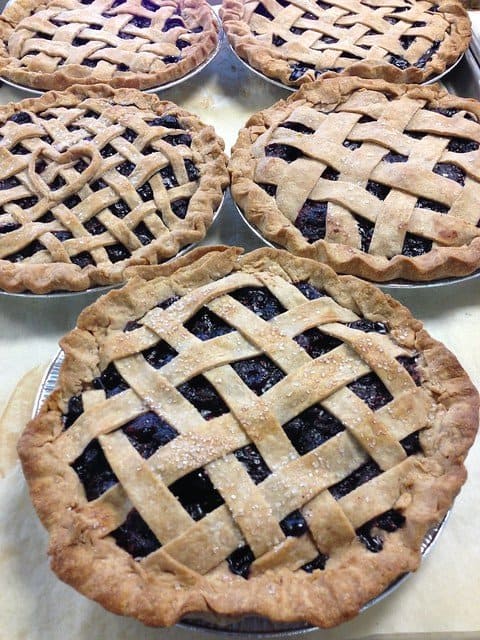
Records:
x=123, y=106
x=456, y=250
x=159, y=590
x=19, y=25
x=271, y=61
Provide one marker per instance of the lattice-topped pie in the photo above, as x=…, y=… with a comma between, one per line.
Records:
x=93, y=180
x=54, y=44
x=376, y=179
x=246, y=434
x=295, y=41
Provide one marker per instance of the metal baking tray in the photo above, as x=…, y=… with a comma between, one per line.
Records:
x=248, y=625
x=104, y=289
x=158, y=88
x=277, y=83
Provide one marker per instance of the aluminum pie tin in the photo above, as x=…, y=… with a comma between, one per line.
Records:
x=394, y=285
x=158, y=88
x=249, y=625
x=103, y=289
x=277, y=83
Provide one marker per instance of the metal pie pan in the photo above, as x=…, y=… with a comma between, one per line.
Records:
x=249, y=625
x=158, y=88
x=277, y=83
x=108, y=287
x=394, y=285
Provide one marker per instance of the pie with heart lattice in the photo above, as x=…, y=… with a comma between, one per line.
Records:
x=376, y=179
x=295, y=41
x=94, y=180
x=246, y=435
x=55, y=44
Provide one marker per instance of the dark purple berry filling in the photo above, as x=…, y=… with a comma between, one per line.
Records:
x=239, y=561
x=363, y=474
x=74, y=410
x=399, y=62
x=180, y=139
x=120, y=208
x=450, y=171
x=143, y=233
x=148, y=432
x=160, y=354
x=462, y=145
x=207, y=325
x=294, y=524
x=283, y=151
x=98, y=185
x=262, y=11
x=172, y=23
x=57, y=183
x=150, y=6
x=256, y=466
x=107, y=151
x=197, y=494
x=298, y=127
x=427, y=56
x=199, y=392
x=351, y=145
x=9, y=183
x=311, y=428
x=171, y=59
x=140, y=21
x=94, y=471
x=368, y=326
x=365, y=229
x=415, y=245
x=392, y=157
x=110, y=381
x=309, y=291
x=411, y=444
x=117, y=252
x=193, y=172
x=47, y=217
x=448, y=113
x=26, y=252
x=19, y=150
x=95, y=227
x=71, y=201
x=259, y=300
x=22, y=117
x=168, y=178
x=317, y=563
x=411, y=365
x=180, y=208
x=378, y=190
x=82, y=259
x=316, y=343
x=27, y=203
x=389, y=521
x=271, y=189
x=135, y=536
x=130, y=135
x=371, y=390
x=7, y=228
x=145, y=192
x=312, y=219
x=125, y=168
x=423, y=203
x=258, y=373
x=277, y=41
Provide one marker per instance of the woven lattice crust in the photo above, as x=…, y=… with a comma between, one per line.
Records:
x=390, y=208
x=297, y=42
x=174, y=580
x=60, y=43
x=102, y=179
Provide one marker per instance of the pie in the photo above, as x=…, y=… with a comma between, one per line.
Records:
x=93, y=180
x=296, y=41
x=378, y=180
x=246, y=435
x=54, y=44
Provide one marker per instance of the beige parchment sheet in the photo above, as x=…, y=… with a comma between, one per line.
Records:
x=441, y=601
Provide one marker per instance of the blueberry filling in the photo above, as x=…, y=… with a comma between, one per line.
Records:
x=389, y=521
x=143, y=233
x=89, y=63
x=168, y=302
x=199, y=392
x=182, y=44
x=26, y=252
x=311, y=428
x=255, y=465
x=131, y=326
x=294, y=524
x=283, y=151
x=259, y=300
x=47, y=217
x=448, y=113
x=277, y=41
x=168, y=121
x=95, y=227
x=9, y=183
x=423, y=203
x=22, y=117
x=262, y=11
x=192, y=171
x=316, y=343
x=82, y=259
x=171, y=23
x=312, y=220
x=207, y=325
x=80, y=166
x=120, y=208
x=392, y=157
x=271, y=189
x=78, y=42
x=299, y=69
x=309, y=291
x=298, y=127
x=317, y=563
x=110, y=381
x=399, y=62
x=125, y=36
x=462, y=145
x=411, y=444
x=371, y=390
x=415, y=245
x=180, y=208
x=160, y=354
x=378, y=190
x=74, y=410
x=135, y=536
x=350, y=144
x=140, y=21
x=27, y=203
x=62, y=235
x=168, y=178
x=365, y=229
x=450, y=171
x=94, y=471
x=197, y=494
x=328, y=39
x=422, y=61
x=411, y=365
x=150, y=6
x=148, y=432
x=98, y=185
x=57, y=183
x=107, y=151
x=239, y=561
x=297, y=31
x=130, y=135
x=126, y=168
x=19, y=150
x=368, y=326
x=363, y=474
x=71, y=201
x=117, y=252
x=258, y=373
x=7, y=228
x=145, y=192
x=171, y=59
x=407, y=41
x=176, y=140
